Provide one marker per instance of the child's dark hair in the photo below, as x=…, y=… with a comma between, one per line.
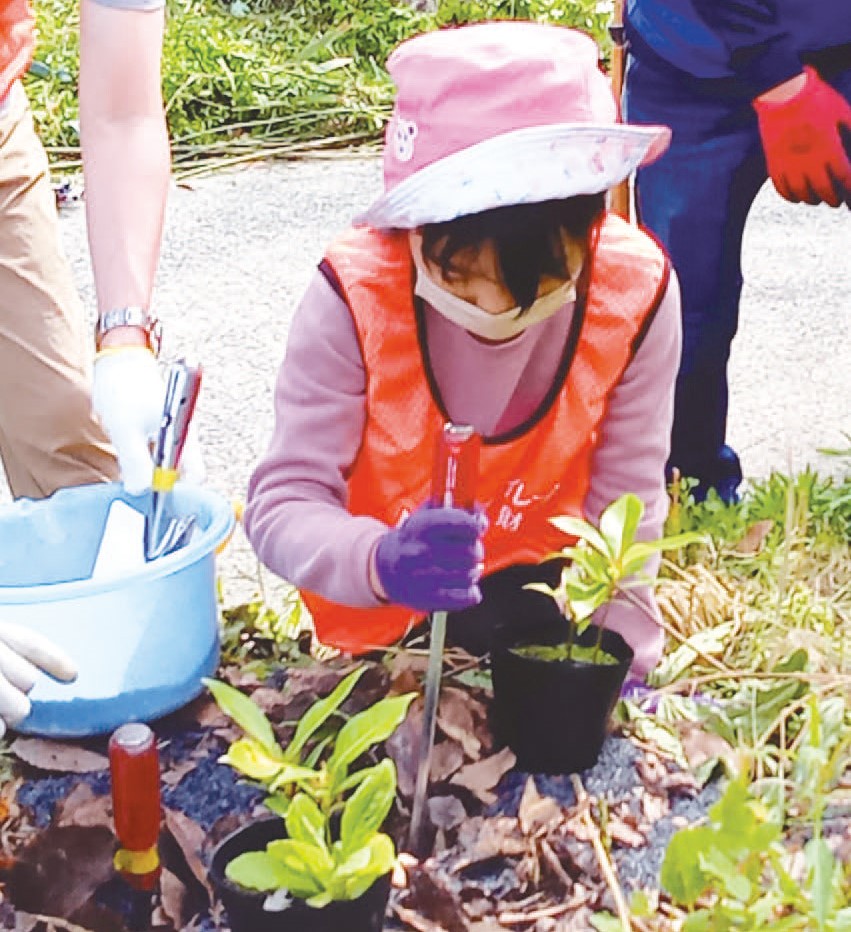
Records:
x=527, y=239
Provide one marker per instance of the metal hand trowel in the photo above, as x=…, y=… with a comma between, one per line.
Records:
x=164, y=530
x=456, y=467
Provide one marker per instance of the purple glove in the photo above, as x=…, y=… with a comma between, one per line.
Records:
x=433, y=560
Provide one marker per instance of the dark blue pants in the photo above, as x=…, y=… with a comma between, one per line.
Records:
x=696, y=199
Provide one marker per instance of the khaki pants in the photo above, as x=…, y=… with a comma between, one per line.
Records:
x=49, y=437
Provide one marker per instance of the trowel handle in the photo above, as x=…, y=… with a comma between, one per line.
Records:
x=456, y=466
x=135, y=781
x=181, y=394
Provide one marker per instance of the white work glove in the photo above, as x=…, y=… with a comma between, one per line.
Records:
x=22, y=654
x=127, y=395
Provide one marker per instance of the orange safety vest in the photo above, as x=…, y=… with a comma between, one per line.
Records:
x=538, y=471
x=17, y=38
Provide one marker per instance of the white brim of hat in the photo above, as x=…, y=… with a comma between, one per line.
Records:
x=525, y=166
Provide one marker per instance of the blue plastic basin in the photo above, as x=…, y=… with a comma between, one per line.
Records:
x=142, y=641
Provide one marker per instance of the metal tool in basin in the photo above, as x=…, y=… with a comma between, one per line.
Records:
x=456, y=466
x=165, y=531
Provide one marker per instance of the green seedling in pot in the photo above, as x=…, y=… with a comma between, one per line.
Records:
x=315, y=866
x=334, y=849
x=604, y=561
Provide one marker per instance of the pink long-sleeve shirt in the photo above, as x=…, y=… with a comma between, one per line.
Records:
x=296, y=516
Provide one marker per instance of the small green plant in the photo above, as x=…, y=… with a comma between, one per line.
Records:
x=311, y=783
x=606, y=561
x=803, y=504
x=259, y=638
x=314, y=762
x=734, y=873
x=314, y=866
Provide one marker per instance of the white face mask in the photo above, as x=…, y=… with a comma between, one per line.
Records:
x=470, y=317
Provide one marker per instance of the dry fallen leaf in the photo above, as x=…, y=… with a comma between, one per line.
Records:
x=207, y=714
x=651, y=770
x=754, y=537
x=446, y=758
x=223, y=827
x=406, y=682
x=82, y=808
x=481, y=839
x=481, y=777
x=446, y=812
x=625, y=834
x=414, y=920
x=537, y=813
x=404, y=862
x=403, y=746
x=408, y=661
x=372, y=686
x=173, y=775
x=700, y=745
x=60, y=870
x=227, y=735
x=654, y=807
x=430, y=896
x=190, y=838
x=239, y=678
x=270, y=701
x=201, y=711
x=58, y=756
x=680, y=783
x=456, y=720
x=103, y=922
x=407, y=671
x=173, y=899
x=575, y=851
x=311, y=683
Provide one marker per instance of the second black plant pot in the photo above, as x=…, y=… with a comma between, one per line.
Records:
x=245, y=907
x=554, y=713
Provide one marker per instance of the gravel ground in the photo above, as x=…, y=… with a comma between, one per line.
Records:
x=240, y=247
x=615, y=778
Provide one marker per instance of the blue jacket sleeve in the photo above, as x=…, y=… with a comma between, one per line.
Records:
x=762, y=51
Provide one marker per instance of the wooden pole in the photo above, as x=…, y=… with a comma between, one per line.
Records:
x=620, y=194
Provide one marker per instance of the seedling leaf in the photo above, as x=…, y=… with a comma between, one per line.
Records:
x=250, y=758
x=368, y=807
x=578, y=527
x=306, y=865
x=619, y=522
x=320, y=712
x=305, y=822
x=365, y=729
x=245, y=713
x=257, y=870
x=682, y=875
x=822, y=867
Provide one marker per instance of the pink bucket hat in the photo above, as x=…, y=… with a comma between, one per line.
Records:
x=501, y=113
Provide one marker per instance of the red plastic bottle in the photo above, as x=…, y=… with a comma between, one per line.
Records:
x=135, y=771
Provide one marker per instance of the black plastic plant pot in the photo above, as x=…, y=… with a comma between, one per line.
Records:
x=554, y=714
x=245, y=907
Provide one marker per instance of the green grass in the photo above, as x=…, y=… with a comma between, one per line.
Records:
x=268, y=78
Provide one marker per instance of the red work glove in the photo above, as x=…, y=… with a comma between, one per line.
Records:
x=802, y=139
